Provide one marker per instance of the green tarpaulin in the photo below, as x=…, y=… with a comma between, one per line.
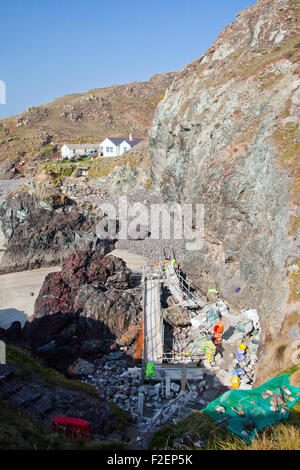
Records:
x=256, y=409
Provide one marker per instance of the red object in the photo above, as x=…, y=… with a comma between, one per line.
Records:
x=218, y=331
x=72, y=428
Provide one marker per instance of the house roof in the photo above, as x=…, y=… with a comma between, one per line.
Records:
x=118, y=140
x=115, y=140
x=133, y=142
x=82, y=146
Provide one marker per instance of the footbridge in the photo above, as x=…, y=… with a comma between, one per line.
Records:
x=166, y=273
x=150, y=346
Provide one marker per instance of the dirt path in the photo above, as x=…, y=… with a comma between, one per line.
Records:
x=18, y=292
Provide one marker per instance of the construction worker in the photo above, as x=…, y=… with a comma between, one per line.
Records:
x=218, y=332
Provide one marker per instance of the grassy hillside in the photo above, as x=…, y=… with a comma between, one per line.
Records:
x=20, y=432
x=116, y=111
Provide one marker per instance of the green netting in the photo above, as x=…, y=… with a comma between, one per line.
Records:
x=257, y=410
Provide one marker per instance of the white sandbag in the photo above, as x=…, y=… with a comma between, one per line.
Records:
x=196, y=322
x=251, y=314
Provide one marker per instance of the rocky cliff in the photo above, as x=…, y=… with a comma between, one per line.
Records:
x=227, y=136
x=84, y=311
x=42, y=226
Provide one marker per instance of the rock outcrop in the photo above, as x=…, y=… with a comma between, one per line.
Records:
x=227, y=136
x=85, y=310
x=42, y=226
x=130, y=173
x=90, y=303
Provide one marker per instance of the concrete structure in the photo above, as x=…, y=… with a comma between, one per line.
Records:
x=82, y=171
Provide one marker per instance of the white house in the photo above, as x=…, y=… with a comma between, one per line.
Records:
x=110, y=147
x=114, y=147
x=72, y=150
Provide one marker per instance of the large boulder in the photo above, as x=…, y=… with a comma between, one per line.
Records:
x=85, y=275
x=80, y=368
x=176, y=315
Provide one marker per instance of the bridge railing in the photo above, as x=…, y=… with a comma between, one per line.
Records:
x=170, y=357
x=187, y=285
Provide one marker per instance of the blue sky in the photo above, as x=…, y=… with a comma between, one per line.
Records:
x=58, y=47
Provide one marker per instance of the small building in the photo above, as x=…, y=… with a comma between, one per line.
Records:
x=114, y=147
x=69, y=151
x=83, y=171
x=110, y=147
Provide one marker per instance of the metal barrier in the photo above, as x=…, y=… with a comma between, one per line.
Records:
x=172, y=356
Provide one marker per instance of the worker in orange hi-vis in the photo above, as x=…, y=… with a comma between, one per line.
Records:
x=218, y=332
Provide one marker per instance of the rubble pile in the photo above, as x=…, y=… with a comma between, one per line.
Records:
x=118, y=382
x=241, y=327
x=121, y=384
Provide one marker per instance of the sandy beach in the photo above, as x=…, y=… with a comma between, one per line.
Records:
x=18, y=292
x=133, y=261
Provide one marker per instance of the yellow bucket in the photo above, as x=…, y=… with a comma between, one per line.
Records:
x=235, y=381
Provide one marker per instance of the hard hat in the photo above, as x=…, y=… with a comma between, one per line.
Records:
x=243, y=347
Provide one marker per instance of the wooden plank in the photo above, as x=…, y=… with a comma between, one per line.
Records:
x=183, y=379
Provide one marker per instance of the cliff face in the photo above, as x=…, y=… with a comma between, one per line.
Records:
x=226, y=135
x=42, y=227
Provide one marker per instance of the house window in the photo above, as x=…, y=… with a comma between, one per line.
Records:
x=125, y=149
x=107, y=149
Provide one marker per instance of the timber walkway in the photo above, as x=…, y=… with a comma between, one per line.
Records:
x=152, y=323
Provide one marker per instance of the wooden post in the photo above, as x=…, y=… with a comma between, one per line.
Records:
x=183, y=379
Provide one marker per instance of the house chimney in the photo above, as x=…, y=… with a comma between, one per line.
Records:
x=131, y=137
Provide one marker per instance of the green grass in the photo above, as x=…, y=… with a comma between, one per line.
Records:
x=197, y=423
x=118, y=413
x=28, y=366
x=19, y=432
